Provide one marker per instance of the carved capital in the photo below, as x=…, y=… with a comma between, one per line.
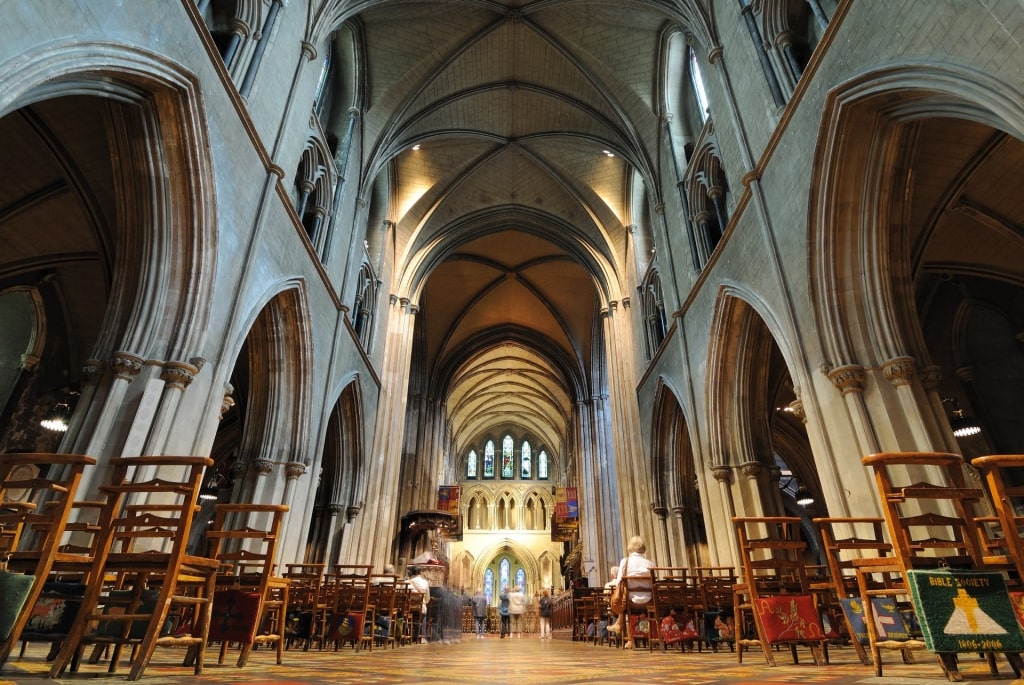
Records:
x=125, y=365
x=966, y=374
x=227, y=401
x=294, y=469
x=900, y=370
x=750, y=469
x=178, y=374
x=774, y=473
x=721, y=473
x=796, y=408
x=848, y=378
x=238, y=469
x=678, y=511
x=931, y=376
x=264, y=467
x=29, y=362
x=92, y=371
x=335, y=509
x=351, y=512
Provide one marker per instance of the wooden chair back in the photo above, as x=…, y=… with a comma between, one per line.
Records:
x=149, y=506
x=1004, y=477
x=37, y=494
x=244, y=540
x=307, y=606
x=772, y=554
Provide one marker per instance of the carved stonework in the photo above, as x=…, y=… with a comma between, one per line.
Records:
x=126, y=366
x=750, y=469
x=351, y=513
x=92, y=371
x=899, y=371
x=678, y=511
x=178, y=374
x=264, y=467
x=227, y=401
x=931, y=376
x=238, y=469
x=796, y=408
x=848, y=378
x=966, y=374
x=335, y=509
x=29, y=362
x=723, y=474
x=660, y=511
x=294, y=469
x=774, y=474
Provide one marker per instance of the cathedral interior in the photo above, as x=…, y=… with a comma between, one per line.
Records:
x=590, y=270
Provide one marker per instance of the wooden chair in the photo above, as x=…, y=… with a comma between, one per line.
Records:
x=716, y=590
x=845, y=539
x=1004, y=476
x=774, y=594
x=383, y=596
x=249, y=598
x=676, y=593
x=348, y=595
x=148, y=511
x=932, y=525
x=37, y=494
x=306, y=619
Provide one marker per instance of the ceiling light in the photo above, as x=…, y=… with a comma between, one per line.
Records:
x=963, y=426
x=57, y=419
x=803, y=496
x=416, y=146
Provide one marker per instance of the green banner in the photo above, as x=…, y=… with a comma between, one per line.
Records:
x=965, y=611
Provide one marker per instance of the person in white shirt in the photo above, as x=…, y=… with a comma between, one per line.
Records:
x=516, y=608
x=422, y=586
x=634, y=565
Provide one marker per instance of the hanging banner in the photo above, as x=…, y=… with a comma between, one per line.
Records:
x=567, y=508
x=448, y=497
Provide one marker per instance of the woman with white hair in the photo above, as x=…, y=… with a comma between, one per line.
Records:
x=634, y=566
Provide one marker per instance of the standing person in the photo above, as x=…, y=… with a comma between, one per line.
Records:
x=503, y=602
x=422, y=586
x=516, y=608
x=634, y=565
x=544, y=612
x=479, y=611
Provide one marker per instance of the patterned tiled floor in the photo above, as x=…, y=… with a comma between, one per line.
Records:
x=528, y=661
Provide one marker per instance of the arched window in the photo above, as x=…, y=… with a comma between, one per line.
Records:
x=489, y=459
x=542, y=465
x=504, y=573
x=471, y=464
x=652, y=306
x=489, y=585
x=508, y=459
x=525, y=463
x=521, y=578
x=697, y=78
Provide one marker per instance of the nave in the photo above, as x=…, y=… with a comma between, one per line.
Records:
x=526, y=661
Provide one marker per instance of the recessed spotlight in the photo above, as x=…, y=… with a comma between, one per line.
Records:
x=608, y=153
x=416, y=146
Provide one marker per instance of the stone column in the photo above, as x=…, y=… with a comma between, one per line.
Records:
x=125, y=367
x=722, y=529
x=849, y=381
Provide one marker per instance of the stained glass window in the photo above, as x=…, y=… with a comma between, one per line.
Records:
x=508, y=459
x=521, y=579
x=542, y=465
x=489, y=459
x=489, y=585
x=504, y=573
x=471, y=464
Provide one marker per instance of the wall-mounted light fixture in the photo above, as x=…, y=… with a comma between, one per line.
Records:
x=792, y=486
x=211, y=491
x=58, y=418
x=963, y=426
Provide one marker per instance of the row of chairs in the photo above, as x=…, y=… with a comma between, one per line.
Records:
x=116, y=573
x=350, y=605
x=933, y=519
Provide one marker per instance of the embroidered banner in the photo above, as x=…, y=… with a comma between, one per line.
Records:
x=965, y=611
x=888, y=620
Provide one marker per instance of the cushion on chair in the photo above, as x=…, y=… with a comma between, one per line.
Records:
x=789, y=618
x=348, y=626
x=888, y=619
x=53, y=615
x=14, y=590
x=235, y=615
x=298, y=624
x=965, y=611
